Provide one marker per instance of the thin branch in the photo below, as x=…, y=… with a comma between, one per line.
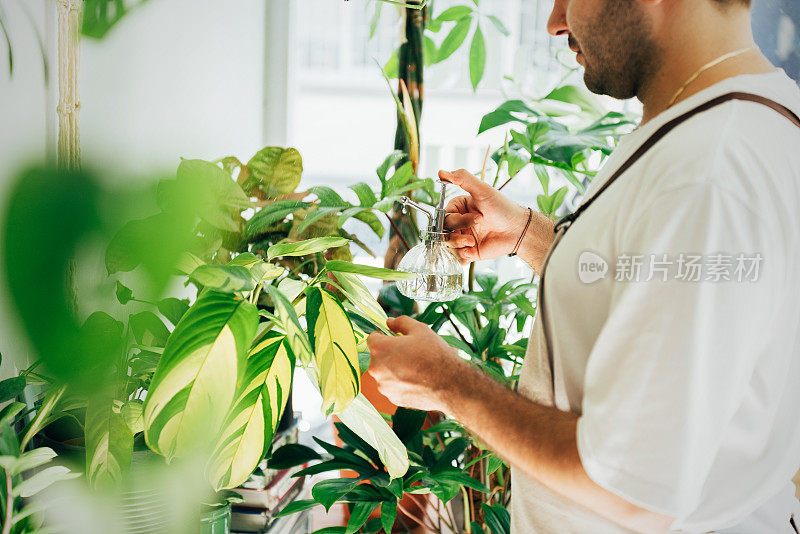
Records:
x=467, y=511
x=506, y=183
x=485, y=162
x=397, y=232
x=419, y=521
x=450, y=318
x=438, y=513
x=9, y=505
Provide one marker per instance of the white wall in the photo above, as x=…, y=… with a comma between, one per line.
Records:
x=26, y=122
x=175, y=78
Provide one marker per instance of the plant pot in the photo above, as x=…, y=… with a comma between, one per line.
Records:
x=216, y=520
x=145, y=507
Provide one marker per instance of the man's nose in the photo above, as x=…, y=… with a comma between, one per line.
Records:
x=557, y=24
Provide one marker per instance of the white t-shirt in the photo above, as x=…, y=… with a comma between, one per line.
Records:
x=688, y=391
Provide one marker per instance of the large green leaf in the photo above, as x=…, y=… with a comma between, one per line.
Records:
x=44, y=415
x=287, y=319
x=399, y=179
x=303, y=248
x=363, y=419
x=197, y=376
x=109, y=443
x=335, y=354
x=99, y=16
x=368, y=270
x=327, y=492
x=275, y=171
x=572, y=94
x=271, y=214
x=391, y=161
x=360, y=515
x=504, y=114
x=255, y=413
x=364, y=215
x=148, y=329
x=11, y=387
x=292, y=455
x=16, y=465
x=41, y=480
x=454, y=39
x=173, y=309
x=260, y=270
x=132, y=413
x=497, y=518
x=212, y=192
x=359, y=296
x=454, y=13
x=328, y=197
x=225, y=278
x=477, y=58
x=366, y=196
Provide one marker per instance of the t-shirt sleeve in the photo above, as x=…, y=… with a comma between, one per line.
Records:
x=672, y=363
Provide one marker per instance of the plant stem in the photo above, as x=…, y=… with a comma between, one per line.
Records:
x=505, y=183
x=467, y=512
x=471, y=288
x=435, y=519
x=449, y=510
x=9, y=505
x=421, y=522
x=450, y=318
x=397, y=232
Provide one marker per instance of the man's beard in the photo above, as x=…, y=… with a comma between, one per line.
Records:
x=618, y=50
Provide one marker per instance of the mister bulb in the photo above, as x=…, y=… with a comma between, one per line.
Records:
x=439, y=273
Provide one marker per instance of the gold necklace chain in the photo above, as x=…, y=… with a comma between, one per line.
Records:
x=704, y=68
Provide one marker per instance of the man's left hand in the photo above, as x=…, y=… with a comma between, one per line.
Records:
x=414, y=368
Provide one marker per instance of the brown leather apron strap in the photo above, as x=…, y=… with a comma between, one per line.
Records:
x=667, y=128
x=565, y=222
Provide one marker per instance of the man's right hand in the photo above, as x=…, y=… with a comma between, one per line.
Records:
x=486, y=225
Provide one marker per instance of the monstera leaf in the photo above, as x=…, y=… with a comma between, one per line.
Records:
x=197, y=376
x=335, y=356
x=255, y=414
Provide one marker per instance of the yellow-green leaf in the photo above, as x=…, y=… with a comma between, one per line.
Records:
x=335, y=354
x=255, y=414
x=275, y=170
x=303, y=248
x=197, y=375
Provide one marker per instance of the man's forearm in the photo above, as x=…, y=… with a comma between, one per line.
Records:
x=537, y=241
x=541, y=442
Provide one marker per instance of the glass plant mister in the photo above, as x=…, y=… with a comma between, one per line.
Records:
x=439, y=274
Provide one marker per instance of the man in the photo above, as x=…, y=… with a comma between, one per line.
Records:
x=670, y=402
